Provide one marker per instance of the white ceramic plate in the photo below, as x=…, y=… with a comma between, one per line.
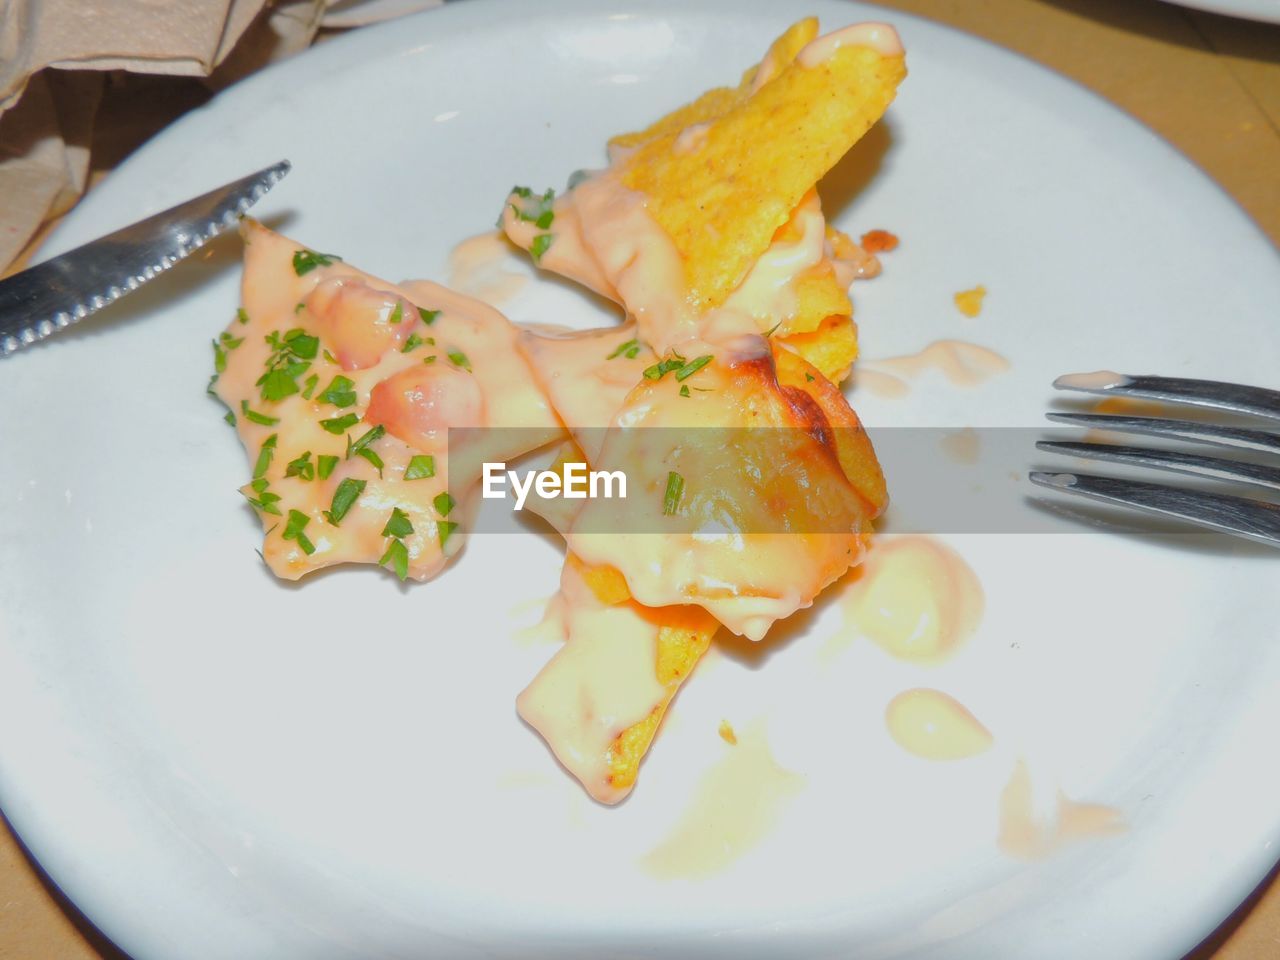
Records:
x=1267, y=11
x=215, y=764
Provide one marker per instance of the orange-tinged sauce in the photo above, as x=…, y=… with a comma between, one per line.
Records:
x=737, y=804
x=1027, y=837
x=934, y=726
x=963, y=364
x=478, y=268
x=880, y=37
x=880, y=384
x=914, y=597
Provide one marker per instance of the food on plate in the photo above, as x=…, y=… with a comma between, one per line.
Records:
x=707, y=224
x=752, y=485
x=969, y=302
x=343, y=388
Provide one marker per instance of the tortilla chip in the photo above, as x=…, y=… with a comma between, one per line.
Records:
x=722, y=198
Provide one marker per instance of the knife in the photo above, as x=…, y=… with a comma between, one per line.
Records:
x=59, y=292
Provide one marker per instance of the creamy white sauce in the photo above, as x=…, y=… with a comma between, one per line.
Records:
x=880, y=37
x=601, y=682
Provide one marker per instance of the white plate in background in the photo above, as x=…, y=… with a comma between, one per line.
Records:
x=215, y=764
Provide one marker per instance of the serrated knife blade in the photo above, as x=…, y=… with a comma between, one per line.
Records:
x=53, y=295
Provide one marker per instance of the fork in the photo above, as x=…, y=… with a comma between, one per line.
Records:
x=1240, y=516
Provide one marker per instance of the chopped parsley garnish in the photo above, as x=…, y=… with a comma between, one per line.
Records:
x=324, y=465
x=302, y=344
x=219, y=359
x=421, y=466
x=301, y=467
x=664, y=366
x=344, y=497
x=431, y=359
x=361, y=448
x=428, y=316
x=577, y=177
x=443, y=503
x=310, y=387
x=684, y=391
x=340, y=425
x=445, y=528
x=230, y=418
x=629, y=350
x=397, y=314
x=293, y=528
x=297, y=307
x=397, y=556
x=291, y=357
x=330, y=358
x=693, y=366
x=773, y=328
x=241, y=315
x=398, y=524
x=265, y=500
x=675, y=489
x=255, y=417
x=540, y=245
x=459, y=359
x=304, y=261
x=264, y=456
x=413, y=341
x=536, y=210
x=809, y=377
x=339, y=392
x=356, y=446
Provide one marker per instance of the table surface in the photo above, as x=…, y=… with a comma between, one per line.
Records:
x=1208, y=84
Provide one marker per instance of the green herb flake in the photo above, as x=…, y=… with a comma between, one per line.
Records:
x=445, y=530
x=421, y=466
x=219, y=359
x=330, y=358
x=344, y=497
x=340, y=425
x=412, y=342
x=675, y=489
x=629, y=349
x=684, y=391
x=692, y=367
x=540, y=245
x=459, y=359
x=264, y=456
x=356, y=446
x=539, y=211
x=398, y=524
x=255, y=417
x=265, y=501
x=428, y=316
x=230, y=418
x=302, y=344
x=228, y=341
x=431, y=359
x=310, y=387
x=325, y=465
x=340, y=392
x=277, y=384
x=397, y=556
x=304, y=261
x=241, y=315
x=301, y=467
x=664, y=366
x=443, y=503
x=809, y=377
x=397, y=313
x=293, y=528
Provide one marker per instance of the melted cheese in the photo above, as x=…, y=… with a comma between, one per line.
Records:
x=364, y=324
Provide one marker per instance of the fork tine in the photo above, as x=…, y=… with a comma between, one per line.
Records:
x=1255, y=401
x=1213, y=468
x=1236, y=515
x=1259, y=441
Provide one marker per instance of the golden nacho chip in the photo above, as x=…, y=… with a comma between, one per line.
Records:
x=717, y=102
x=722, y=196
